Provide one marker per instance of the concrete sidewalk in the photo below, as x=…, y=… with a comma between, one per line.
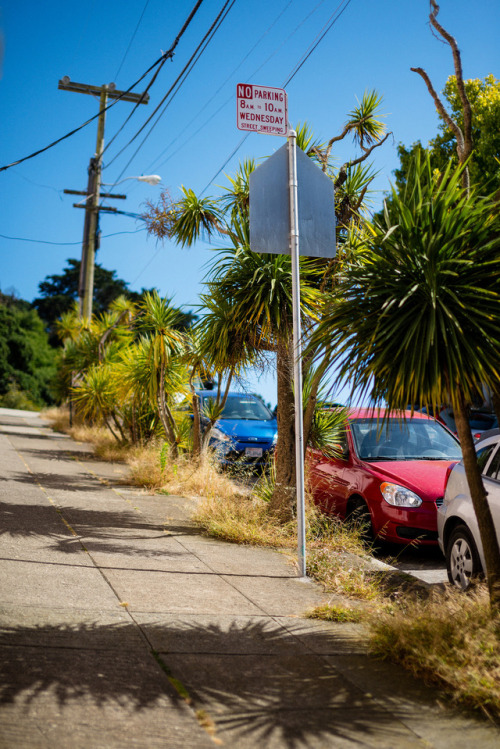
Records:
x=121, y=625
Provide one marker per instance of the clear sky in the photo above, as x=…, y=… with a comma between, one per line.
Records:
x=371, y=45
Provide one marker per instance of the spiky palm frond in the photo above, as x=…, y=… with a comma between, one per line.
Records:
x=364, y=120
x=137, y=373
x=70, y=325
x=418, y=319
x=328, y=429
x=259, y=287
x=356, y=186
x=95, y=397
x=222, y=342
x=307, y=141
x=195, y=217
x=236, y=199
x=157, y=317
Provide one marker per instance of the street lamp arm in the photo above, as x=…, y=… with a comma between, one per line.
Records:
x=151, y=179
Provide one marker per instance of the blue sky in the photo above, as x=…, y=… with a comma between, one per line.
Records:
x=372, y=45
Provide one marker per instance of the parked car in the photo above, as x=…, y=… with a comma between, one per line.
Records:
x=391, y=472
x=481, y=420
x=246, y=430
x=459, y=537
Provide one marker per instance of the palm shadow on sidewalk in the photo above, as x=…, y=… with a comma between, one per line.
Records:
x=257, y=682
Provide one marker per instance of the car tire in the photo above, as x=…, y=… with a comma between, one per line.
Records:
x=462, y=559
x=359, y=516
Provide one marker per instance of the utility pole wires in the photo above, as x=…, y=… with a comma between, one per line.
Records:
x=89, y=244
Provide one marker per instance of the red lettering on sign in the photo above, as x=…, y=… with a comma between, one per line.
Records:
x=244, y=91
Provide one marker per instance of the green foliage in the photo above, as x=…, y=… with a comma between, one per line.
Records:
x=15, y=398
x=415, y=316
x=364, y=120
x=59, y=292
x=260, y=289
x=195, y=216
x=95, y=396
x=327, y=430
x=236, y=199
x=27, y=362
x=484, y=96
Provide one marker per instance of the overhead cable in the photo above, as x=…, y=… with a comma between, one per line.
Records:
x=333, y=19
x=153, y=79
x=317, y=41
x=178, y=82
x=161, y=60
x=67, y=244
x=216, y=93
x=132, y=39
x=231, y=98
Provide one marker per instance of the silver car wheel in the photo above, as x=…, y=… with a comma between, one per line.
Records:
x=462, y=559
x=461, y=563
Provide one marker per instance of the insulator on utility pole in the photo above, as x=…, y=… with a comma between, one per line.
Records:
x=90, y=241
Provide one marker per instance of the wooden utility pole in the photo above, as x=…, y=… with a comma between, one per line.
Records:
x=86, y=284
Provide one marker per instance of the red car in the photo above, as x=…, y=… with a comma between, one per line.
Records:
x=391, y=473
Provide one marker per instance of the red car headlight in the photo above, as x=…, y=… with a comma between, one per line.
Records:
x=399, y=496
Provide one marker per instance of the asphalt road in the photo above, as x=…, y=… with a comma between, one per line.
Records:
x=426, y=563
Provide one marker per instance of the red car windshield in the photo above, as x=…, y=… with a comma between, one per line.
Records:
x=413, y=439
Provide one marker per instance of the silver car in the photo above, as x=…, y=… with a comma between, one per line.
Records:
x=457, y=525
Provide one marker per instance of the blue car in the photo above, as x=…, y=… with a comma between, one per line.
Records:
x=246, y=431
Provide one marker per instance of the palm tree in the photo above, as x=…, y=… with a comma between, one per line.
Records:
x=416, y=317
x=259, y=286
x=158, y=318
x=96, y=398
x=260, y=289
x=134, y=374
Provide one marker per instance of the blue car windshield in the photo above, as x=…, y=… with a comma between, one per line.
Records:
x=415, y=439
x=244, y=407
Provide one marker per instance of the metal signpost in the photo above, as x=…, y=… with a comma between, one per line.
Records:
x=289, y=196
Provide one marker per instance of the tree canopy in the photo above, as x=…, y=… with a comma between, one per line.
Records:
x=27, y=361
x=59, y=292
x=484, y=97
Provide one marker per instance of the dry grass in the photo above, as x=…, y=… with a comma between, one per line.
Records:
x=449, y=639
x=338, y=559
x=152, y=468
x=244, y=520
x=58, y=418
x=105, y=446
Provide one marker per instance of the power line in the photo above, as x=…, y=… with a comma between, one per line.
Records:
x=171, y=51
x=131, y=40
x=188, y=67
x=67, y=244
x=231, y=97
x=316, y=43
x=292, y=75
x=211, y=99
x=160, y=60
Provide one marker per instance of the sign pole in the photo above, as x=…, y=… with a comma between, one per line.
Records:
x=297, y=351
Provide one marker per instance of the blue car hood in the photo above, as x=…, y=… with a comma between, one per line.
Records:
x=244, y=428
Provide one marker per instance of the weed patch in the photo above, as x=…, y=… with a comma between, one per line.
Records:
x=449, y=639
x=335, y=613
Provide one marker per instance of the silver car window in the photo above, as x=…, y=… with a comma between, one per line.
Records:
x=493, y=469
x=483, y=456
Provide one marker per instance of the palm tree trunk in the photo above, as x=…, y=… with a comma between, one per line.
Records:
x=196, y=424
x=481, y=507
x=283, y=497
x=164, y=415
